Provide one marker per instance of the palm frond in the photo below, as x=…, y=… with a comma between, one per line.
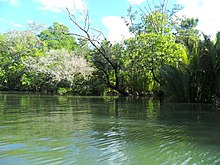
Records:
x=176, y=83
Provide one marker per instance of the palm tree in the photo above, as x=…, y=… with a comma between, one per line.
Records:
x=198, y=81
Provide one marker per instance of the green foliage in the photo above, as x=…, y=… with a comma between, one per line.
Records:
x=63, y=91
x=15, y=47
x=134, y=65
x=107, y=59
x=146, y=54
x=187, y=34
x=205, y=77
x=22, y=51
x=177, y=84
x=199, y=80
x=157, y=23
x=157, y=19
x=163, y=54
x=58, y=37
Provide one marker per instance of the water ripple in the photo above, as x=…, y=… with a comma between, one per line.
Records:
x=80, y=132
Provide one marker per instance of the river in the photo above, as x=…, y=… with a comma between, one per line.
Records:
x=44, y=129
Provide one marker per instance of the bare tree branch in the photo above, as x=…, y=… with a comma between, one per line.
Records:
x=94, y=41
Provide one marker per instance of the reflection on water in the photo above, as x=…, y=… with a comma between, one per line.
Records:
x=36, y=129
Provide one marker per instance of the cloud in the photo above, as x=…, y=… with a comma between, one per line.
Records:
x=11, y=2
x=60, y=5
x=207, y=13
x=10, y=22
x=14, y=24
x=136, y=2
x=30, y=21
x=116, y=27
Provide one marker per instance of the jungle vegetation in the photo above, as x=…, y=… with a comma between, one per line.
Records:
x=166, y=55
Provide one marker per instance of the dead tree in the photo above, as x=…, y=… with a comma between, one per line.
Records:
x=104, y=63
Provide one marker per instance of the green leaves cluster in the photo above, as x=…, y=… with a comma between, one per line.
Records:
x=15, y=47
x=58, y=36
x=145, y=54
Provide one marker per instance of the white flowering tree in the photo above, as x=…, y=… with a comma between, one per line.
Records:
x=61, y=66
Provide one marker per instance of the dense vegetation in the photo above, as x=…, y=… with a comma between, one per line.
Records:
x=166, y=55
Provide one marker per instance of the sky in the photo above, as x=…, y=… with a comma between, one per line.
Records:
x=104, y=15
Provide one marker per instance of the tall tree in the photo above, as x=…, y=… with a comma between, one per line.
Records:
x=104, y=56
x=153, y=19
x=147, y=53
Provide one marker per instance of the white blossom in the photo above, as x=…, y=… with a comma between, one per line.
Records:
x=61, y=65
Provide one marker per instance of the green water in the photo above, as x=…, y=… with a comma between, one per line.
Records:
x=36, y=129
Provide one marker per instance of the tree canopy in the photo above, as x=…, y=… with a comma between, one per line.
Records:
x=165, y=54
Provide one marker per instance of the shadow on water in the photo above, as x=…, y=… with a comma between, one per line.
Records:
x=42, y=129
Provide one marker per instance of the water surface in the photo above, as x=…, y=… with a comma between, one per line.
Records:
x=42, y=129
